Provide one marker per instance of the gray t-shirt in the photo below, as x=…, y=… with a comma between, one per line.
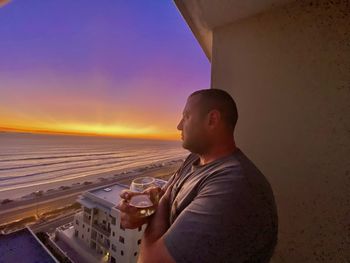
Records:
x=223, y=211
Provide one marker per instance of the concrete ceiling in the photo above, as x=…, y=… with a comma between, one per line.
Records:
x=204, y=15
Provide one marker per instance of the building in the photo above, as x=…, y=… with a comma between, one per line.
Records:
x=99, y=225
x=23, y=246
x=96, y=234
x=287, y=65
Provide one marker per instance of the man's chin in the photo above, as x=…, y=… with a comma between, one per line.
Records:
x=187, y=147
x=193, y=148
x=184, y=145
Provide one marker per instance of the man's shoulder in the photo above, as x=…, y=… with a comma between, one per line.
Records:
x=232, y=167
x=235, y=170
x=239, y=163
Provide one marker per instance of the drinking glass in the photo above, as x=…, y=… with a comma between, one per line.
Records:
x=141, y=184
x=142, y=201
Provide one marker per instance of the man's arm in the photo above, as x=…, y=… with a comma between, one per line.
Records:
x=153, y=249
x=212, y=227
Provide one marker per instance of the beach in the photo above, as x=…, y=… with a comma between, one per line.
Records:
x=49, y=201
x=86, y=182
x=32, y=164
x=41, y=176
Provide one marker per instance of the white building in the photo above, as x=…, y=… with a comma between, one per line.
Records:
x=96, y=234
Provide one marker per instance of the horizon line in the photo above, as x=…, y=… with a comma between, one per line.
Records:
x=87, y=134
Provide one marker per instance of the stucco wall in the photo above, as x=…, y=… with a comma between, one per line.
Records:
x=289, y=72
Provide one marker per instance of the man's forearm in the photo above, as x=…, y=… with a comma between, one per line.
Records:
x=159, y=224
x=151, y=248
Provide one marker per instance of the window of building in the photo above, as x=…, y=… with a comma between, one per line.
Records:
x=139, y=241
x=121, y=239
x=77, y=222
x=140, y=228
x=88, y=230
x=113, y=220
x=122, y=228
x=113, y=234
x=114, y=248
x=113, y=260
x=122, y=252
x=135, y=254
x=83, y=226
x=82, y=236
x=93, y=245
x=76, y=233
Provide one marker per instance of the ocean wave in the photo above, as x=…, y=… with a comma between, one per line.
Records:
x=56, y=163
x=27, y=160
x=54, y=157
x=82, y=174
x=51, y=173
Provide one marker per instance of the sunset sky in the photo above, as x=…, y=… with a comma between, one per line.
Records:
x=121, y=67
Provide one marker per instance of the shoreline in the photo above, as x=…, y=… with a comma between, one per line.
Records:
x=50, y=188
x=27, y=207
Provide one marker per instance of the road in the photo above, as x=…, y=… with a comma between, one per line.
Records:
x=51, y=226
x=24, y=211
x=26, y=208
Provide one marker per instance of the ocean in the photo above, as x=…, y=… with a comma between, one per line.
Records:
x=29, y=161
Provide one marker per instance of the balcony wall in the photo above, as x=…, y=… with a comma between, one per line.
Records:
x=289, y=72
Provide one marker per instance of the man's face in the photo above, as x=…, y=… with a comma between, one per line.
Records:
x=193, y=127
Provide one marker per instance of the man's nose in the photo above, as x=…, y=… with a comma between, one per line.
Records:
x=179, y=126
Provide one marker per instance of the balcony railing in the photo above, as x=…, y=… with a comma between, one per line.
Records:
x=93, y=234
x=79, y=216
x=102, y=229
x=105, y=243
x=86, y=219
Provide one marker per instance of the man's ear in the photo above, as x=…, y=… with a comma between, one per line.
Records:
x=214, y=117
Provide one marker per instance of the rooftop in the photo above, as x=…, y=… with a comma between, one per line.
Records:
x=110, y=193
x=22, y=246
x=71, y=246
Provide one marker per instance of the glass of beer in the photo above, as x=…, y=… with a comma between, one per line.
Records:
x=144, y=202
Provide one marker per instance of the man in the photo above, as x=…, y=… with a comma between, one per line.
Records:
x=218, y=207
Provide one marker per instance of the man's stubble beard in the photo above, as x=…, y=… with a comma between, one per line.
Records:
x=198, y=147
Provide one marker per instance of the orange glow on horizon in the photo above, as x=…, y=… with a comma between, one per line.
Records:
x=83, y=78
x=95, y=130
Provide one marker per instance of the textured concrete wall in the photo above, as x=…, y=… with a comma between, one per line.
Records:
x=289, y=71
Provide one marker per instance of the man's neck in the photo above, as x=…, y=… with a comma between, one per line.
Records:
x=217, y=153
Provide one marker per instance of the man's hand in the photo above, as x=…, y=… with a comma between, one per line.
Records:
x=153, y=248
x=130, y=216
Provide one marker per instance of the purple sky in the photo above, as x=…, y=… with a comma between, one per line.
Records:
x=110, y=63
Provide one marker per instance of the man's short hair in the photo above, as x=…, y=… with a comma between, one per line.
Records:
x=216, y=99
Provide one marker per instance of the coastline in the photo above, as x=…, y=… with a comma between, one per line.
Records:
x=51, y=201
x=48, y=189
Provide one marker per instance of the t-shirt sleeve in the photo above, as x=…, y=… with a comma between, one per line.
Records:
x=215, y=216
